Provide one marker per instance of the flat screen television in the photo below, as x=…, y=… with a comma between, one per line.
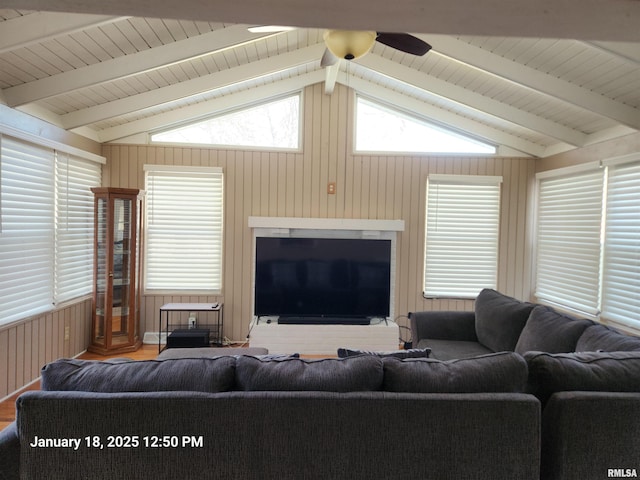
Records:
x=328, y=277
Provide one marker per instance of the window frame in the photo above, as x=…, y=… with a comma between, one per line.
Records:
x=425, y=122
x=459, y=204
x=76, y=249
x=160, y=285
x=607, y=167
x=231, y=111
x=56, y=294
x=621, y=206
x=555, y=254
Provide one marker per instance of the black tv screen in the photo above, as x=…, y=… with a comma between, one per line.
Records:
x=339, y=277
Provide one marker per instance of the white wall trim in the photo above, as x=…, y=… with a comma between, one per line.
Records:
x=326, y=223
x=53, y=144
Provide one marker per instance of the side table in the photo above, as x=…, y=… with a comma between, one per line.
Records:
x=216, y=327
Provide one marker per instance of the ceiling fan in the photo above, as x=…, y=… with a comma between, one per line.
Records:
x=352, y=44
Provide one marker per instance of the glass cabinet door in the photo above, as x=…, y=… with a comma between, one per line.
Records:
x=120, y=274
x=101, y=266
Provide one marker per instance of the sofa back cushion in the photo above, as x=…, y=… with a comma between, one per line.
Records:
x=599, y=337
x=548, y=330
x=352, y=374
x=187, y=374
x=583, y=371
x=504, y=372
x=499, y=320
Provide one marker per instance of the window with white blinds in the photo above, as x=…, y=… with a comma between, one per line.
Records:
x=461, y=240
x=568, y=240
x=27, y=229
x=184, y=226
x=621, y=276
x=74, y=225
x=46, y=227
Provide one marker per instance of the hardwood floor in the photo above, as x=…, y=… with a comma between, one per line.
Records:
x=8, y=409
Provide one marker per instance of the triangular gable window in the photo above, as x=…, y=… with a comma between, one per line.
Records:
x=383, y=129
x=274, y=124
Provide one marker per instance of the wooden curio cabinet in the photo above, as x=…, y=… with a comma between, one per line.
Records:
x=116, y=295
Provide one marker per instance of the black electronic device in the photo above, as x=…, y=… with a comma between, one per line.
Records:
x=323, y=277
x=322, y=320
x=188, y=338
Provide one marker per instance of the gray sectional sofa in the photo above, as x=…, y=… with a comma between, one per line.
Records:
x=361, y=417
x=515, y=391
x=586, y=376
x=501, y=323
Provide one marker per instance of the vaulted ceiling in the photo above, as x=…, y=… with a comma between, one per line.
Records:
x=115, y=78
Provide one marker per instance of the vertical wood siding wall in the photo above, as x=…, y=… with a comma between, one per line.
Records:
x=367, y=186
x=25, y=347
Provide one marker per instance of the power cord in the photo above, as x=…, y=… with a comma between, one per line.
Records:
x=408, y=344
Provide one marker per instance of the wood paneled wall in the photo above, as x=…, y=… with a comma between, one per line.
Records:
x=275, y=184
x=25, y=347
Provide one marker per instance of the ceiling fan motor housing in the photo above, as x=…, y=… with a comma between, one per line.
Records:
x=349, y=44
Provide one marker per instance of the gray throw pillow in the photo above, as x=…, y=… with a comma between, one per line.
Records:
x=504, y=372
x=600, y=337
x=186, y=374
x=409, y=353
x=500, y=320
x=584, y=371
x=353, y=374
x=550, y=331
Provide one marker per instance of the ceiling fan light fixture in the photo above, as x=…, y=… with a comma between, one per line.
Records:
x=349, y=44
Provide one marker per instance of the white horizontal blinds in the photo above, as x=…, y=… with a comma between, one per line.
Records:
x=183, y=241
x=462, y=227
x=621, y=277
x=569, y=223
x=74, y=225
x=27, y=226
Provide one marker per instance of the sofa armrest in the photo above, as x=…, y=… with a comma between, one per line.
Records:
x=443, y=325
x=10, y=453
x=584, y=434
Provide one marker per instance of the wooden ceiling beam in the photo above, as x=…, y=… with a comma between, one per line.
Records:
x=195, y=86
x=128, y=65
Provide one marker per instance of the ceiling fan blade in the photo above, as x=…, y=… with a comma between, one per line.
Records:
x=404, y=42
x=328, y=58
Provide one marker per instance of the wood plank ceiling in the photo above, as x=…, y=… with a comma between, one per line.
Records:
x=114, y=78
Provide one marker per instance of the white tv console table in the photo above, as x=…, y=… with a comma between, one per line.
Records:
x=323, y=339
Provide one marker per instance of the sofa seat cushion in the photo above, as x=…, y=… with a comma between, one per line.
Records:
x=500, y=320
x=600, y=337
x=583, y=371
x=452, y=349
x=210, y=375
x=353, y=374
x=504, y=372
x=548, y=330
